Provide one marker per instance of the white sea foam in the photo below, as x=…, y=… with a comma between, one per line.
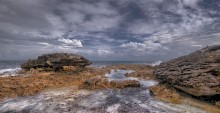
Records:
x=148, y=83
x=156, y=63
x=9, y=72
x=113, y=108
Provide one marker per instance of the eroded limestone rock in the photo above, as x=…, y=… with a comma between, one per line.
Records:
x=197, y=73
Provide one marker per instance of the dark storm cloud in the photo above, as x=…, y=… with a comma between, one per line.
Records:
x=107, y=30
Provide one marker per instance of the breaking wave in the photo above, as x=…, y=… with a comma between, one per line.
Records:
x=9, y=72
x=156, y=63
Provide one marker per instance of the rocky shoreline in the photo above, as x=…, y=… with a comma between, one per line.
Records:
x=197, y=75
x=69, y=88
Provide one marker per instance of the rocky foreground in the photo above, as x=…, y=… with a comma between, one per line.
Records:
x=197, y=74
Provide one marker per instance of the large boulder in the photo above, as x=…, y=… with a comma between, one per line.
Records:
x=57, y=61
x=197, y=73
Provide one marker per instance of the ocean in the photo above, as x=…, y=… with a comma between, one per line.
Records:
x=106, y=63
x=9, y=68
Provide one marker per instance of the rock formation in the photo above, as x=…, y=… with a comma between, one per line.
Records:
x=197, y=73
x=57, y=61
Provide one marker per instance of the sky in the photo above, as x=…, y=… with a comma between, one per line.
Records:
x=106, y=30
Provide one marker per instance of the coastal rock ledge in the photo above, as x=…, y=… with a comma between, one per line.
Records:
x=57, y=61
x=197, y=73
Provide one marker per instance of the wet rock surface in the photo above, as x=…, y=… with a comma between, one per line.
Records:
x=197, y=73
x=57, y=61
x=128, y=100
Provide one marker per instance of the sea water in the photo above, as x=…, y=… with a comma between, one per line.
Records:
x=106, y=63
x=119, y=75
x=10, y=68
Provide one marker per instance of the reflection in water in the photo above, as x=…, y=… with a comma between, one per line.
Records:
x=119, y=75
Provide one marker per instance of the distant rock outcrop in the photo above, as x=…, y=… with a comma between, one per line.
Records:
x=197, y=73
x=57, y=61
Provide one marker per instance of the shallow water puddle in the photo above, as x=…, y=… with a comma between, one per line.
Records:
x=119, y=75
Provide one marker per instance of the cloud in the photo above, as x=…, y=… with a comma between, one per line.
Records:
x=185, y=22
x=109, y=29
x=105, y=52
x=91, y=17
x=101, y=23
x=69, y=42
x=141, y=27
x=44, y=43
x=148, y=47
x=197, y=45
x=191, y=3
